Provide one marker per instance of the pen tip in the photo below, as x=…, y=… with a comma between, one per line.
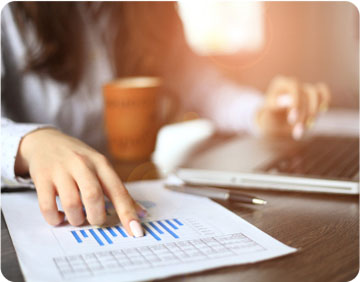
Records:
x=259, y=202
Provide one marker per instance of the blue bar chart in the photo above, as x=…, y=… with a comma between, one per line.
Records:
x=103, y=236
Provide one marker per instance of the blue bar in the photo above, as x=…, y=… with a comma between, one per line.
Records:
x=121, y=231
x=156, y=228
x=168, y=230
x=83, y=233
x=177, y=221
x=76, y=236
x=151, y=232
x=171, y=224
x=102, y=232
x=111, y=231
x=96, y=237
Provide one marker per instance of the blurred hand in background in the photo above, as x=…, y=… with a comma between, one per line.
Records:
x=291, y=107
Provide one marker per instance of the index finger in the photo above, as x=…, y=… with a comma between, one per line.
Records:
x=124, y=205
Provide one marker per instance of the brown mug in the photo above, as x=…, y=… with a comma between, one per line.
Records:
x=134, y=114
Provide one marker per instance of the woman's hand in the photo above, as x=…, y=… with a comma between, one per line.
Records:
x=291, y=107
x=64, y=166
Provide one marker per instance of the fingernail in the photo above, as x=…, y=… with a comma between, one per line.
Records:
x=136, y=228
x=292, y=116
x=298, y=131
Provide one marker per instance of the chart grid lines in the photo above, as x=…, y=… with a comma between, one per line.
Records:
x=115, y=258
x=97, y=259
x=155, y=256
x=144, y=257
x=87, y=266
x=176, y=252
x=225, y=246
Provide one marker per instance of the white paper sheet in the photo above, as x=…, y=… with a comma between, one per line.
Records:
x=185, y=234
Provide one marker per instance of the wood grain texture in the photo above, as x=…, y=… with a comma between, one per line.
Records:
x=324, y=228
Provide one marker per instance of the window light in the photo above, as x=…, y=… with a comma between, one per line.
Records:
x=222, y=27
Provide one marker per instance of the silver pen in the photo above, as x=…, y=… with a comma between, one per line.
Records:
x=216, y=193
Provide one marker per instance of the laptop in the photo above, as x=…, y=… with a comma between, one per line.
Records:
x=325, y=161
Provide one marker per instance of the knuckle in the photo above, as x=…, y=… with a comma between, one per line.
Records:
x=71, y=204
x=102, y=159
x=36, y=176
x=46, y=208
x=77, y=222
x=93, y=195
x=41, y=183
x=80, y=161
x=58, y=170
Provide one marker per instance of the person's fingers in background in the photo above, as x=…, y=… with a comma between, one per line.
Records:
x=313, y=102
x=316, y=100
x=298, y=111
x=273, y=122
x=282, y=92
x=325, y=96
x=47, y=200
x=286, y=93
x=115, y=190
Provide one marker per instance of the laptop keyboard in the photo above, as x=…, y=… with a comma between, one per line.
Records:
x=322, y=156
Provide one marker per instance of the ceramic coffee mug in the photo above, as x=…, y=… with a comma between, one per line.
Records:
x=133, y=116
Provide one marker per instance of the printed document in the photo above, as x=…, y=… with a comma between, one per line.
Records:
x=184, y=234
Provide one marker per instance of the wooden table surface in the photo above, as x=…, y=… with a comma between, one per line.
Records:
x=324, y=229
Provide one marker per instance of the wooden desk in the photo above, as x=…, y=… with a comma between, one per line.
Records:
x=324, y=228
